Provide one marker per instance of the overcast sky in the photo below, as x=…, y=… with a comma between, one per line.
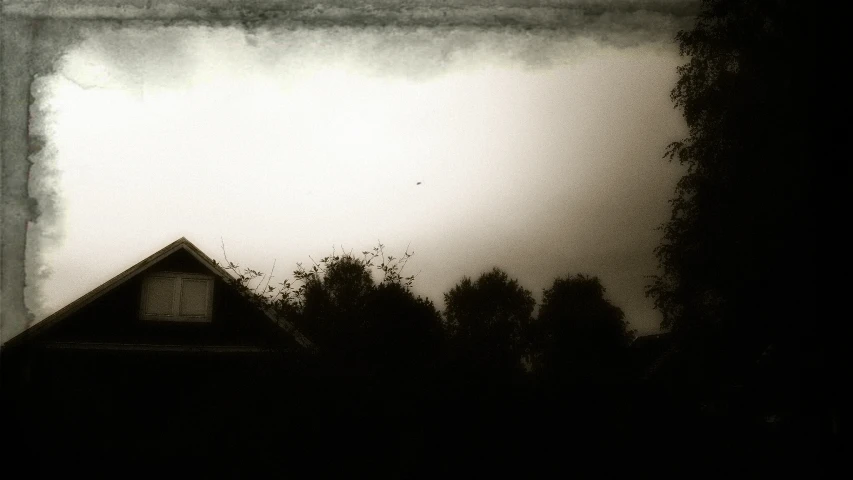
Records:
x=540, y=155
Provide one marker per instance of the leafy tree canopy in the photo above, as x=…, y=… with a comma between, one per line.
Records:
x=578, y=331
x=737, y=259
x=489, y=318
x=742, y=218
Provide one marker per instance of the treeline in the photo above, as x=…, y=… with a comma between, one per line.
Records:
x=487, y=384
x=361, y=312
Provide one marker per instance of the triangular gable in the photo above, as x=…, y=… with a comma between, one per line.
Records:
x=120, y=279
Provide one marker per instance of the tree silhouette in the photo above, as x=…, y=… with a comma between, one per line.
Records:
x=579, y=333
x=403, y=333
x=333, y=301
x=738, y=253
x=489, y=320
x=743, y=218
x=353, y=317
x=743, y=207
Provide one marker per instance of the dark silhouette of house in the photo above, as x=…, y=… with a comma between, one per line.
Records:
x=166, y=363
x=176, y=300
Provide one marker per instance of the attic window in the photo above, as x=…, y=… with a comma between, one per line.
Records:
x=178, y=297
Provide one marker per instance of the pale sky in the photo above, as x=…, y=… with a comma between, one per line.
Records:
x=538, y=154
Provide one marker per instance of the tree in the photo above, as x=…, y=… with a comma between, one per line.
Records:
x=579, y=333
x=738, y=256
x=489, y=320
x=744, y=205
x=404, y=331
x=743, y=218
x=352, y=316
x=333, y=301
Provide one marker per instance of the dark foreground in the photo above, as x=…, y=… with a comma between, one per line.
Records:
x=138, y=414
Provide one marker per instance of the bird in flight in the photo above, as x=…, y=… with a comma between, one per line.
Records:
x=419, y=183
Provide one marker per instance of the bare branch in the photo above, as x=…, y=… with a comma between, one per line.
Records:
x=268, y=279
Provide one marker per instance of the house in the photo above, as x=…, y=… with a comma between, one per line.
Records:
x=165, y=362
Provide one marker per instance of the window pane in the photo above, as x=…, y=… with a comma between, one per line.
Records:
x=160, y=298
x=194, y=297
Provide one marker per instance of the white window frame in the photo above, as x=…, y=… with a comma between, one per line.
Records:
x=179, y=278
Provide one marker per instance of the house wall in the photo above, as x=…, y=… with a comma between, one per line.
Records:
x=88, y=410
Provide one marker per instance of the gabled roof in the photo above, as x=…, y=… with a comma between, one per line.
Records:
x=108, y=286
